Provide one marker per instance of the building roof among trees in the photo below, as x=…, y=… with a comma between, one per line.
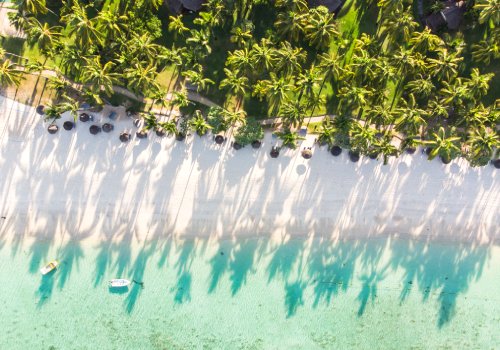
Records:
x=331, y=5
x=451, y=16
x=177, y=6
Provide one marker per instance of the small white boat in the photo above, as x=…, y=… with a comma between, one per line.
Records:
x=49, y=267
x=119, y=283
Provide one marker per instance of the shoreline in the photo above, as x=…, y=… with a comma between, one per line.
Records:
x=76, y=186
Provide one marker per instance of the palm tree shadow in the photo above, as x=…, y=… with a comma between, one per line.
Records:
x=294, y=297
x=183, y=288
x=45, y=289
x=219, y=265
x=284, y=259
x=369, y=289
x=241, y=264
x=103, y=261
x=70, y=255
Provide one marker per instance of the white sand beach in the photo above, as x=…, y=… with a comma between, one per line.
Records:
x=76, y=186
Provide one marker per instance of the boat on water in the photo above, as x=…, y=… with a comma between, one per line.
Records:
x=119, y=283
x=49, y=267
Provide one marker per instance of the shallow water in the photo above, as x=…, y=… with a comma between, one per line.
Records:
x=252, y=294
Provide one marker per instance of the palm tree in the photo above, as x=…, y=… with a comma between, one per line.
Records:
x=355, y=97
x=100, y=77
x=410, y=117
x=399, y=25
x=241, y=36
x=199, y=39
x=425, y=41
x=84, y=29
x=196, y=78
x=263, y=55
x=240, y=60
x=385, y=147
x=141, y=79
x=362, y=137
x=33, y=7
x=380, y=115
x=289, y=59
x=446, y=65
x=176, y=25
x=235, y=83
x=330, y=66
x=486, y=50
x=199, y=124
x=179, y=99
x=482, y=144
x=9, y=74
x=70, y=105
x=143, y=48
x=233, y=118
x=292, y=113
x=290, y=24
x=159, y=96
x=478, y=116
x=478, y=83
x=307, y=82
x=46, y=37
x=455, y=94
x=443, y=146
x=278, y=88
x=421, y=86
x=489, y=11
x=327, y=133
x=321, y=28
x=111, y=23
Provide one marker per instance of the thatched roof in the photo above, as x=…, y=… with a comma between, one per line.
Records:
x=177, y=6
x=331, y=5
x=451, y=16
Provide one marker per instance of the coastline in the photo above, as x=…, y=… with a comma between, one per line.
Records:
x=76, y=186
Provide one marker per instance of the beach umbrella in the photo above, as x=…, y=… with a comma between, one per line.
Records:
x=142, y=134
x=373, y=155
x=237, y=146
x=496, y=163
x=275, y=152
x=256, y=144
x=336, y=151
x=428, y=150
x=52, y=129
x=445, y=160
x=40, y=109
x=353, y=156
x=160, y=132
x=68, y=125
x=107, y=127
x=180, y=136
x=411, y=150
x=137, y=122
x=84, y=117
x=307, y=153
x=219, y=139
x=94, y=129
x=124, y=137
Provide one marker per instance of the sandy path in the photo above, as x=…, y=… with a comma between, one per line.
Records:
x=73, y=185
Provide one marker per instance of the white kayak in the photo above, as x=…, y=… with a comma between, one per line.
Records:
x=119, y=283
x=49, y=267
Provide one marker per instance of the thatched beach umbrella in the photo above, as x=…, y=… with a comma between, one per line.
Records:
x=160, y=132
x=411, y=150
x=52, y=129
x=124, y=137
x=68, y=125
x=95, y=129
x=237, y=146
x=142, y=134
x=180, y=136
x=107, y=127
x=307, y=153
x=275, y=152
x=496, y=163
x=256, y=144
x=84, y=117
x=40, y=109
x=219, y=139
x=336, y=151
x=353, y=156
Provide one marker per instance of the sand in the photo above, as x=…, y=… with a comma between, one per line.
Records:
x=76, y=186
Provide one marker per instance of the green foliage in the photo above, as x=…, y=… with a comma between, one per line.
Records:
x=217, y=120
x=249, y=132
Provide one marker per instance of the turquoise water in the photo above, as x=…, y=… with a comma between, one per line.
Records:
x=252, y=294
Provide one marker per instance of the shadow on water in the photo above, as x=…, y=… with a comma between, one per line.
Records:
x=70, y=256
x=103, y=261
x=183, y=288
x=219, y=265
x=242, y=264
x=137, y=278
x=294, y=297
x=46, y=288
